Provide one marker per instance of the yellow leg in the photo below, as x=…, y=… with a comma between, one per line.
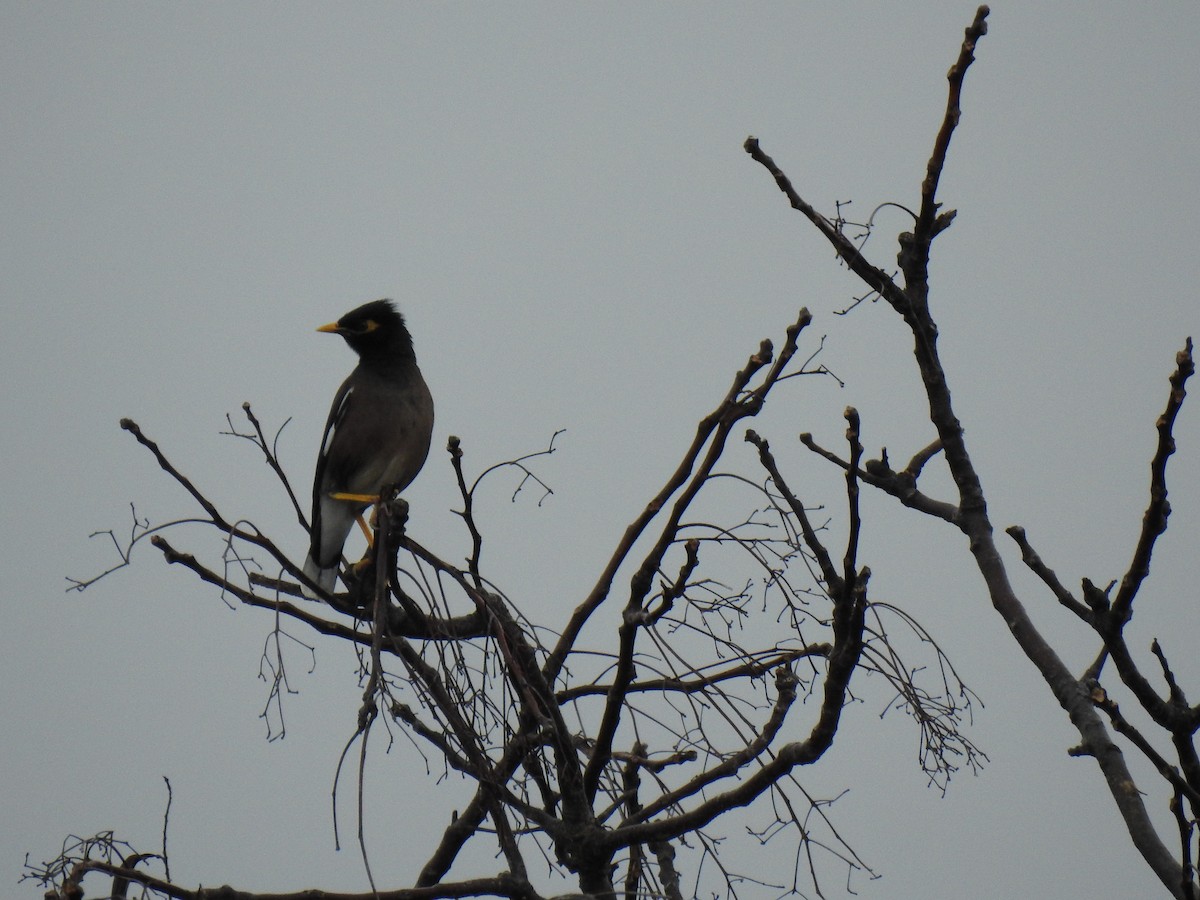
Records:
x=354, y=498
x=366, y=532
x=358, y=498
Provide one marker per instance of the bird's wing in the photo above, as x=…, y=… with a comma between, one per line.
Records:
x=337, y=415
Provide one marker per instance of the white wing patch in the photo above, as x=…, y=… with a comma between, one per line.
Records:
x=335, y=419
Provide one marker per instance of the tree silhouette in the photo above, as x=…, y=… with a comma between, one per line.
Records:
x=612, y=753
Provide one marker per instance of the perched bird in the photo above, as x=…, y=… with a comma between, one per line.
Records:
x=377, y=434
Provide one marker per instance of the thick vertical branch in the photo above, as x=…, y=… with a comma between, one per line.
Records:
x=912, y=303
x=975, y=522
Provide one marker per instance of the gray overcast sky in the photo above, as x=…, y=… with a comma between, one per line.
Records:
x=557, y=196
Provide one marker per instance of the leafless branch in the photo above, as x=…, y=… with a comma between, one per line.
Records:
x=970, y=515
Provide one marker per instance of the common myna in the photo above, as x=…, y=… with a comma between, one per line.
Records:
x=377, y=435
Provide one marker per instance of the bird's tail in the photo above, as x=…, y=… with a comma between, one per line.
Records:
x=324, y=577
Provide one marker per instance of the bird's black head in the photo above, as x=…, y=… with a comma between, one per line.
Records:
x=375, y=331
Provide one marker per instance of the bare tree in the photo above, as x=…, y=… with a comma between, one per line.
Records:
x=612, y=754
x=607, y=753
x=1083, y=697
